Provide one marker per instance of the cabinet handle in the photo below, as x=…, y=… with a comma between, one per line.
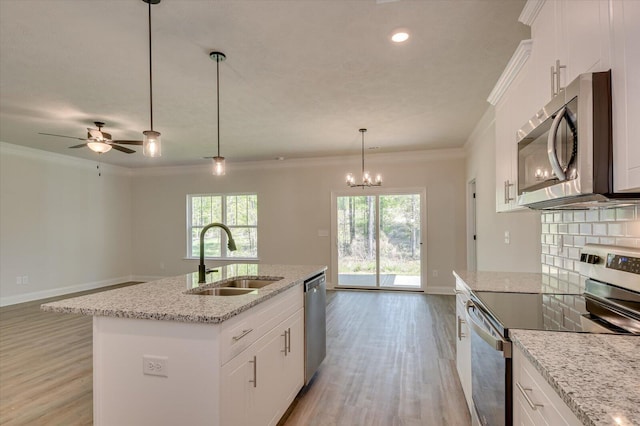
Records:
x=289, y=340
x=555, y=78
x=460, y=333
x=523, y=391
x=241, y=335
x=255, y=371
x=507, y=197
x=285, y=342
x=552, y=81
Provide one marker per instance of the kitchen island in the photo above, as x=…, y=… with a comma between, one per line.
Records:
x=163, y=355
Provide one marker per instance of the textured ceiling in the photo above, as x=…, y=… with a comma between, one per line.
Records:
x=301, y=77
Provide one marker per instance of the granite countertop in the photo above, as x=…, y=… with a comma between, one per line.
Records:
x=168, y=299
x=596, y=375
x=514, y=282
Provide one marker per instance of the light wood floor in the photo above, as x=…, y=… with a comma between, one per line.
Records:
x=390, y=361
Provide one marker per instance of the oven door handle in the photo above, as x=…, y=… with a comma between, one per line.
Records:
x=498, y=344
x=551, y=145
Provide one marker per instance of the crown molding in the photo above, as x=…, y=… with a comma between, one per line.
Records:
x=60, y=159
x=516, y=63
x=530, y=11
x=380, y=158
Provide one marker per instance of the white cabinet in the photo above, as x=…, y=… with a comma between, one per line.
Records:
x=463, y=343
x=511, y=114
x=534, y=400
x=626, y=94
x=258, y=385
x=575, y=33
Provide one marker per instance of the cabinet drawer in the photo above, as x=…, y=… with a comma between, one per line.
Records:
x=237, y=337
x=530, y=388
x=283, y=307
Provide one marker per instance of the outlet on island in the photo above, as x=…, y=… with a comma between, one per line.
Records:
x=155, y=365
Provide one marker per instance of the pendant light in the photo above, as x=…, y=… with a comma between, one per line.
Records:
x=218, y=161
x=366, y=177
x=151, y=144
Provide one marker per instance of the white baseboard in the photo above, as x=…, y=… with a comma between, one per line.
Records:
x=60, y=291
x=440, y=290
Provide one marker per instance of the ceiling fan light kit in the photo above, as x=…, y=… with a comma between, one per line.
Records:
x=218, y=168
x=152, y=144
x=366, y=176
x=99, y=147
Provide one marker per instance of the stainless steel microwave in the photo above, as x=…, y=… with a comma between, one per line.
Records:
x=565, y=154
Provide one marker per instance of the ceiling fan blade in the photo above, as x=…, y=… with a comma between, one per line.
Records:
x=79, y=146
x=62, y=136
x=122, y=148
x=128, y=142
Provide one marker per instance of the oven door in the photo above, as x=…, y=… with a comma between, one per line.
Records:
x=490, y=370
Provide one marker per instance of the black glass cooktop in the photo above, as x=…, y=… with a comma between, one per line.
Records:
x=536, y=311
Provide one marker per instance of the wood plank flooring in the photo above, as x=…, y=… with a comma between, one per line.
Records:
x=390, y=361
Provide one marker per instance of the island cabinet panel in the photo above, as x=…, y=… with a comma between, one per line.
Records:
x=534, y=400
x=209, y=376
x=259, y=384
x=463, y=343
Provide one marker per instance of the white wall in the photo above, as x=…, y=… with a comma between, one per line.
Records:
x=61, y=225
x=294, y=200
x=523, y=252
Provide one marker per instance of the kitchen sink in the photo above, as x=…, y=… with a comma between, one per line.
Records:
x=246, y=283
x=225, y=291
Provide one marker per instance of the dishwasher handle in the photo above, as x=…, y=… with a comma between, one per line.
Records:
x=314, y=282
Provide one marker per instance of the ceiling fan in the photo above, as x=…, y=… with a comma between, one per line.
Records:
x=99, y=141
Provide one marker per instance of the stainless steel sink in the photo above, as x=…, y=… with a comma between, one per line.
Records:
x=225, y=291
x=245, y=283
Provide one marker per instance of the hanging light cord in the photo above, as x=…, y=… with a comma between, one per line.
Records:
x=362, y=131
x=150, y=71
x=218, y=96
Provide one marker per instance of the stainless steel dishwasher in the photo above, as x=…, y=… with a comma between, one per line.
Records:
x=315, y=324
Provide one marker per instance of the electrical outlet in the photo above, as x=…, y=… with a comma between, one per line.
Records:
x=155, y=365
x=507, y=237
x=435, y=273
x=19, y=280
x=25, y=279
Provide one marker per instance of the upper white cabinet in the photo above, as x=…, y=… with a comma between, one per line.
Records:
x=570, y=37
x=625, y=59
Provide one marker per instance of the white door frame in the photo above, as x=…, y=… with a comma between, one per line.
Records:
x=378, y=191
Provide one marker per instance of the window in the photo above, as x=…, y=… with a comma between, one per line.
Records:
x=238, y=211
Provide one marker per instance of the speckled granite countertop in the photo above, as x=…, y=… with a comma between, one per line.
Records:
x=513, y=282
x=167, y=299
x=596, y=375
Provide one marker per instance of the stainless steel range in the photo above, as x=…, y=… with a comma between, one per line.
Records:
x=610, y=304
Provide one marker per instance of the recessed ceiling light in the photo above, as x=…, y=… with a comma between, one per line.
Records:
x=400, y=36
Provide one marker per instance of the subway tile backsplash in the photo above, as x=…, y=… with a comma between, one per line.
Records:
x=565, y=233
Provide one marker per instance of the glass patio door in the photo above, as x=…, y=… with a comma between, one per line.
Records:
x=379, y=241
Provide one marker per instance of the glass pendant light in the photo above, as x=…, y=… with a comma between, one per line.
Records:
x=151, y=144
x=366, y=176
x=218, y=161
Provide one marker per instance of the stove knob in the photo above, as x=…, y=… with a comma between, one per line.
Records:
x=583, y=257
x=593, y=259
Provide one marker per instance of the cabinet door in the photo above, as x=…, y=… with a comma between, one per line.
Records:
x=270, y=375
x=586, y=36
x=293, y=373
x=463, y=349
x=505, y=156
x=626, y=89
x=237, y=392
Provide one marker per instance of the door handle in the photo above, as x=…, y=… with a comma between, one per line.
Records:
x=551, y=145
x=496, y=343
